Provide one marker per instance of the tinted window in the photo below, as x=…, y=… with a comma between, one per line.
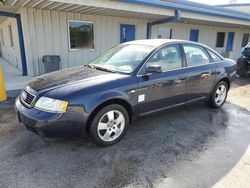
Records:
x=168, y=58
x=214, y=56
x=195, y=55
x=245, y=39
x=81, y=35
x=220, y=40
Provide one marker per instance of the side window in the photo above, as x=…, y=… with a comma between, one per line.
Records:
x=168, y=58
x=195, y=55
x=214, y=56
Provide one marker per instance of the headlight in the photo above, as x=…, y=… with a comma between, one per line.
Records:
x=51, y=105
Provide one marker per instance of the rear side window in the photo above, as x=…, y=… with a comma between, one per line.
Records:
x=214, y=56
x=168, y=58
x=195, y=55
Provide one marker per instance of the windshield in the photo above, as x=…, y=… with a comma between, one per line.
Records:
x=123, y=58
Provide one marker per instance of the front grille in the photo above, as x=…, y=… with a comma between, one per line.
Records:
x=28, y=98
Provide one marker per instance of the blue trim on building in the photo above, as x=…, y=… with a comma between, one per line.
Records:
x=149, y=30
x=20, y=37
x=234, y=5
x=193, y=8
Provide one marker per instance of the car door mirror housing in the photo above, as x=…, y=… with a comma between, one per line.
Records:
x=153, y=69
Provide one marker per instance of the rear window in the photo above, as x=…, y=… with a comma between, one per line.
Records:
x=214, y=56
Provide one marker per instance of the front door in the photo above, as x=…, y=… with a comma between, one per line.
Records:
x=230, y=41
x=127, y=33
x=201, y=72
x=164, y=32
x=161, y=90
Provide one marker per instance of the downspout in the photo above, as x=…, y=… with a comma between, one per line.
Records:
x=176, y=18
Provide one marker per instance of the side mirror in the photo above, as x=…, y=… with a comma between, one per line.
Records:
x=153, y=69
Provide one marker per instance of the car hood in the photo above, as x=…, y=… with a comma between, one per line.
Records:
x=69, y=76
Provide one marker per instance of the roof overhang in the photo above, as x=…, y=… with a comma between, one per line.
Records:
x=151, y=10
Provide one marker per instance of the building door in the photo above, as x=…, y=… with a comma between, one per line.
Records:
x=127, y=33
x=194, y=35
x=164, y=32
x=230, y=41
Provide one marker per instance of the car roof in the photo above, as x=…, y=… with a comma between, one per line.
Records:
x=156, y=42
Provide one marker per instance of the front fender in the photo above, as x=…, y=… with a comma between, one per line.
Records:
x=92, y=104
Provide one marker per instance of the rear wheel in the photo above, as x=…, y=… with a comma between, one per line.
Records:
x=109, y=125
x=219, y=95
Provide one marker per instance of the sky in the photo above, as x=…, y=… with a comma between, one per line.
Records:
x=219, y=2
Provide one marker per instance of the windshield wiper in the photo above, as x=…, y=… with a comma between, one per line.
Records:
x=91, y=66
x=102, y=68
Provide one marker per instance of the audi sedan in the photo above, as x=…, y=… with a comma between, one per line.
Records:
x=129, y=81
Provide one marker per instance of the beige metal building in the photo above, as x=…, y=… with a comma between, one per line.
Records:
x=80, y=30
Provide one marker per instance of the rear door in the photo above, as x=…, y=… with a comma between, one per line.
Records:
x=161, y=90
x=201, y=71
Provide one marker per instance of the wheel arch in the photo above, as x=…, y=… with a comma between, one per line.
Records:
x=225, y=79
x=119, y=101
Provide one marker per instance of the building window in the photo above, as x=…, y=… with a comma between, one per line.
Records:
x=245, y=39
x=194, y=35
x=11, y=36
x=2, y=37
x=81, y=35
x=220, y=40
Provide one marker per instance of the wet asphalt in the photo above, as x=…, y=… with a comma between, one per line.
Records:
x=191, y=146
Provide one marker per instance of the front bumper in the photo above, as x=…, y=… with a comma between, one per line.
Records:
x=71, y=123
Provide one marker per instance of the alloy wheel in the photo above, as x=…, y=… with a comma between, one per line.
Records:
x=220, y=95
x=111, y=125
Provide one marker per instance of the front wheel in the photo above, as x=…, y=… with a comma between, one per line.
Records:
x=219, y=95
x=109, y=125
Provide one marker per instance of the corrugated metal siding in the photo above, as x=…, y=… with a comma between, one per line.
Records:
x=46, y=32
x=207, y=35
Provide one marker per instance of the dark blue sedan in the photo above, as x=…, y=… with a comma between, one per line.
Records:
x=128, y=81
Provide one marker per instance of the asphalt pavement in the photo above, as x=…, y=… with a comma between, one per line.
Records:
x=191, y=146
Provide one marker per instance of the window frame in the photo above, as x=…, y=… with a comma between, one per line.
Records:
x=78, y=49
x=223, y=39
x=11, y=35
x=199, y=46
x=141, y=71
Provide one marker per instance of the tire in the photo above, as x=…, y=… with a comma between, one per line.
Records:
x=109, y=125
x=243, y=69
x=218, y=97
